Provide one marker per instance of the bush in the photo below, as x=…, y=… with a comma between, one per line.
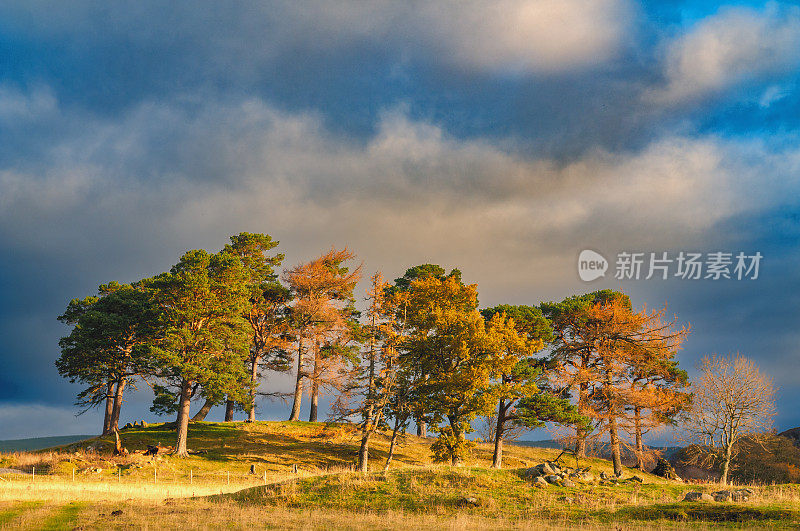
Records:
x=448, y=448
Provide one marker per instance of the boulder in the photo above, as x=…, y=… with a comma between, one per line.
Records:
x=697, y=496
x=468, y=501
x=721, y=495
x=539, y=480
x=567, y=483
x=552, y=479
x=741, y=495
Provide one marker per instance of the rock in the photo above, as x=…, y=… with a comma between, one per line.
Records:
x=603, y=475
x=567, y=483
x=468, y=501
x=127, y=426
x=741, y=495
x=637, y=479
x=118, y=512
x=532, y=472
x=721, y=495
x=539, y=480
x=547, y=469
x=13, y=471
x=552, y=479
x=698, y=496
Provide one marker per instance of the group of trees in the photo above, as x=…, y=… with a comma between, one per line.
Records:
x=422, y=351
x=209, y=329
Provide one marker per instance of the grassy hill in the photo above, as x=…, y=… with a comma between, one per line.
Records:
x=214, y=487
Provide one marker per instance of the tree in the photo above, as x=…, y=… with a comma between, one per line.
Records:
x=732, y=399
x=574, y=354
x=371, y=381
x=620, y=361
x=202, y=300
x=109, y=345
x=267, y=310
x=322, y=291
x=448, y=343
x=401, y=285
x=522, y=331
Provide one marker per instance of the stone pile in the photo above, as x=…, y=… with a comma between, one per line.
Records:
x=739, y=495
x=550, y=473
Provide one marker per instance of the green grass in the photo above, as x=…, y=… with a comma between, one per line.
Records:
x=63, y=517
x=8, y=514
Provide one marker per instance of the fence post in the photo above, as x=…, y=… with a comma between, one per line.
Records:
x=265, y=478
x=191, y=476
x=33, y=475
x=73, y=474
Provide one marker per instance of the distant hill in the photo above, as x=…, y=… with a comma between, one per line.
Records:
x=792, y=434
x=771, y=459
x=39, y=443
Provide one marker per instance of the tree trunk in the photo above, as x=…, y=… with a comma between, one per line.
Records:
x=637, y=424
x=392, y=445
x=117, y=404
x=497, y=457
x=109, y=408
x=298, y=387
x=580, y=432
x=422, y=428
x=251, y=414
x=368, y=426
x=204, y=409
x=182, y=422
x=363, y=451
x=229, y=405
x=726, y=463
x=616, y=457
x=312, y=416
x=455, y=457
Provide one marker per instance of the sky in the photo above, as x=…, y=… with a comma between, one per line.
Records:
x=501, y=138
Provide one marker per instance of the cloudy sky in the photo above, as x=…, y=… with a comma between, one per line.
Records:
x=499, y=137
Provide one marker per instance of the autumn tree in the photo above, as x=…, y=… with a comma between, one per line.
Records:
x=629, y=344
x=109, y=345
x=448, y=342
x=520, y=332
x=574, y=353
x=620, y=361
x=659, y=387
x=402, y=285
x=372, y=383
x=202, y=300
x=322, y=317
x=732, y=399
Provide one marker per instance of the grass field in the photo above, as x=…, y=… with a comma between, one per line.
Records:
x=215, y=488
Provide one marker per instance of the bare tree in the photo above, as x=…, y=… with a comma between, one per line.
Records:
x=732, y=399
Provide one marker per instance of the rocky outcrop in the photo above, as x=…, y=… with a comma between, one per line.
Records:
x=738, y=495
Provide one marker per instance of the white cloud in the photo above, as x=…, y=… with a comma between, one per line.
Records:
x=734, y=46
x=162, y=179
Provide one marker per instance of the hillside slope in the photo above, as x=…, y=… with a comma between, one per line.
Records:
x=274, y=448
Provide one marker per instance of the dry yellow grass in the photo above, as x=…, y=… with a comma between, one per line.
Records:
x=167, y=492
